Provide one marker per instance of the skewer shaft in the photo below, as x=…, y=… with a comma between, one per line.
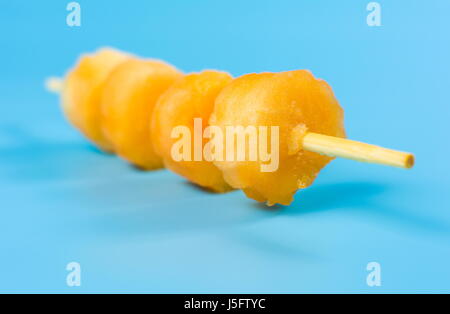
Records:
x=54, y=84
x=344, y=148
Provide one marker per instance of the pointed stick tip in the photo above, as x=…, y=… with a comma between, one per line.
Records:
x=54, y=84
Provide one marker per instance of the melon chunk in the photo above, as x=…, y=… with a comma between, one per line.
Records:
x=296, y=102
x=128, y=99
x=82, y=89
x=191, y=97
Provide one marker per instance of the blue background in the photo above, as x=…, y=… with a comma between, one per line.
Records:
x=131, y=231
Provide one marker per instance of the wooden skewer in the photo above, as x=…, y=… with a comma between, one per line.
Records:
x=324, y=144
x=344, y=148
x=54, y=84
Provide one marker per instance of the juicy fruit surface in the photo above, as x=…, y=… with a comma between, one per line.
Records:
x=190, y=97
x=294, y=101
x=129, y=96
x=82, y=91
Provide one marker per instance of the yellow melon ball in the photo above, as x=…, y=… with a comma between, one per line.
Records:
x=191, y=97
x=129, y=96
x=295, y=102
x=82, y=89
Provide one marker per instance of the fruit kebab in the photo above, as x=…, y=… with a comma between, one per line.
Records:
x=132, y=106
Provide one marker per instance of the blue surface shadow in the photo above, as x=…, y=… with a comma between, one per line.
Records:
x=370, y=198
